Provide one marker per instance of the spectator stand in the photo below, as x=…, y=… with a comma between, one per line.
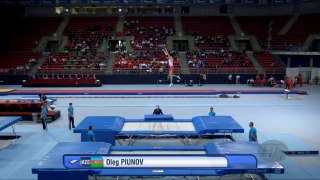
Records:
x=147, y=33
x=17, y=62
x=65, y=63
x=219, y=62
x=144, y=62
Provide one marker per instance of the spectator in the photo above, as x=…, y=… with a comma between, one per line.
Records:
x=36, y=43
x=250, y=81
x=238, y=79
x=309, y=84
x=252, y=133
x=212, y=113
x=203, y=79
x=295, y=82
x=258, y=78
x=230, y=79
x=91, y=136
x=157, y=110
x=300, y=80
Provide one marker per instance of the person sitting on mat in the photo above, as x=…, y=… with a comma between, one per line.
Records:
x=157, y=110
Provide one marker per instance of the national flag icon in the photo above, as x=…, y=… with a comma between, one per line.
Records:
x=96, y=162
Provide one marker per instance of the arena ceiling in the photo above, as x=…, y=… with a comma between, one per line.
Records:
x=106, y=2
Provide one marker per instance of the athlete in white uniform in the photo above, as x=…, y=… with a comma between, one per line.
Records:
x=171, y=66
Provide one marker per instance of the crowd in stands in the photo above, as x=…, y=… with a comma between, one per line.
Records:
x=17, y=63
x=87, y=33
x=198, y=60
x=70, y=62
x=210, y=33
x=144, y=62
x=84, y=42
x=291, y=47
x=146, y=34
x=212, y=42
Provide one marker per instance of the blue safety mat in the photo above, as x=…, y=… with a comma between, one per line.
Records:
x=158, y=117
x=216, y=124
x=265, y=161
x=294, y=145
x=6, y=121
x=239, y=147
x=114, y=123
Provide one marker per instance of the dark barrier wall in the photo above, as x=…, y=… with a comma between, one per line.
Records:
x=147, y=79
x=12, y=79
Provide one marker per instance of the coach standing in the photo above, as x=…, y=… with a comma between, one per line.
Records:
x=44, y=113
x=70, y=116
x=252, y=133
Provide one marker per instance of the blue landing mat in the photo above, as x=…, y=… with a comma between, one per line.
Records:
x=295, y=145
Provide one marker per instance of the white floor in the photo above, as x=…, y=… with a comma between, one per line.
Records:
x=272, y=114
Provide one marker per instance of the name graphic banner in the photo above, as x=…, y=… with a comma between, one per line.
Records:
x=87, y=162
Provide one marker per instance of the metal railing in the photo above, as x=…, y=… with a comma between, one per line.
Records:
x=82, y=71
x=125, y=71
x=145, y=71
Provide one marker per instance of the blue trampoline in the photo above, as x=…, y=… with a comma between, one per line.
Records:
x=9, y=121
x=111, y=128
